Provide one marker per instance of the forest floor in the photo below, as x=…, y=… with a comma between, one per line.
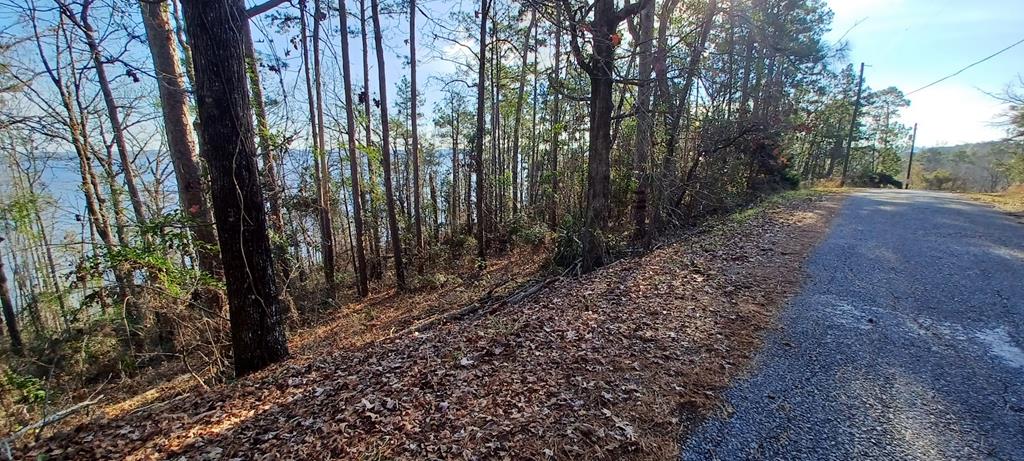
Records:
x=615, y=364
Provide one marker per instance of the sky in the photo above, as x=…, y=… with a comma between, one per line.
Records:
x=911, y=43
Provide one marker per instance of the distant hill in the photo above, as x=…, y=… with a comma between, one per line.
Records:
x=976, y=167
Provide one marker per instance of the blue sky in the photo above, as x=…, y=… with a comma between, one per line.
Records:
x=910, y=43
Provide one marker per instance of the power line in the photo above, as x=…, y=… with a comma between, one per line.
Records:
x=954, y=74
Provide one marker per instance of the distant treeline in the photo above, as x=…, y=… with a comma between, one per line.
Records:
x=980, y=167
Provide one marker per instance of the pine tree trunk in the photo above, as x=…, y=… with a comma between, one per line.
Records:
x=532, y=165
x=377, y=270
x=517, y=124
x=455, y=199
x=644, y=124
x=321, y=176
x=174, y=106
x=215, y=28
x=598, y=163
x=478, y=159
x=396, y=237
x=270, y=181
x=417, y=187
x=362, y=286
x=556, y=129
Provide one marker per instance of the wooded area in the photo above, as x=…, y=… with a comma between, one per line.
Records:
x=185, y=181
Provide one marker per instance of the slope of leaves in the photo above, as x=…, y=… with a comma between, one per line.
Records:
x=616, y=364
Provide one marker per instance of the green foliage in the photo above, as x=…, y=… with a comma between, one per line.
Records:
x=1014, y=167
x=157, y=254
x=19, y=212
x=436, y=280
x=524, y=231
x=940, y=180
x=568, y=247
x=790, y=178
x=980, y=167
x=26, y=389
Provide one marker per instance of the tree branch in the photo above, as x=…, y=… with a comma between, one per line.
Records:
x=264, y=7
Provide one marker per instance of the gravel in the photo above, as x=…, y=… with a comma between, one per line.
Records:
x=907, y=342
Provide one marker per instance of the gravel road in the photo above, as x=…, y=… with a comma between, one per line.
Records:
x=907, y=342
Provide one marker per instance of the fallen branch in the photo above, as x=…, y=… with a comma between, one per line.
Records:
x=6, y=443
x=157, y=405
x=483, y=305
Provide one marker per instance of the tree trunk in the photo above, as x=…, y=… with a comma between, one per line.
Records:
x=271, y=184
x=533, y=167
x=455, y=199
x=215, y=28
x=600, y=67
x=516, y=170
x=478, y=158
x=174, y=105
x=115, y=119
x=433, y=200
x=321, y=176
x=414, y=122
x=556, y=129
x=362, y=286
x=377, y=269
x=679, y=109
x=644, y=124
x=396, y=237
x=9, y=316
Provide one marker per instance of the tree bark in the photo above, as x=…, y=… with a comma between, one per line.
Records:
x=556, y=129
x=600, y=67
x=215, y=28
x=417, y=187
x=478, y=158
x=396, y=237
x=377, y=269
x=644, y=123
x=13, y=333
x=517, y=124
x=270, y=181
x=112, y=114
x=174, y=106
x=362, y=286
x=321, y=176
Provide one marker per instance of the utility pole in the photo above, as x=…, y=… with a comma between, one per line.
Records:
x=910, y=164
x=853, y=125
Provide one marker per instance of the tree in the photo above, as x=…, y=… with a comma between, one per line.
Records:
x=599, y=66
x=353, y=154
x=178, y=128
x=396, y=237
x=316, y=117
x=644, y=121
x=215, y=28
x=524, y=54
x=478, y=136
x=10, y=318
x=417, y=188
x=81, y=20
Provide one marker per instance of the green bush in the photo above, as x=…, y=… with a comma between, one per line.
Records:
x=568, y=247
x=27, y=390
x=525, y=232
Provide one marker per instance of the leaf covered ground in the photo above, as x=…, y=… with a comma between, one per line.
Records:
x=617, y=364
